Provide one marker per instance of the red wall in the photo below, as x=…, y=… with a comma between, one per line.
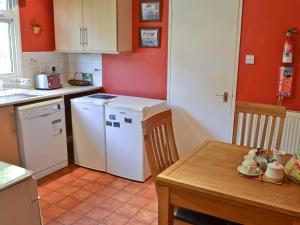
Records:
x=144, y=72
x=263, y=33
x=42, y=11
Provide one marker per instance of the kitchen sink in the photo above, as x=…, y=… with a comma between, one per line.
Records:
x=18, y=96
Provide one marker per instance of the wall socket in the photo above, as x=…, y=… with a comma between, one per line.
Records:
x=250, y=59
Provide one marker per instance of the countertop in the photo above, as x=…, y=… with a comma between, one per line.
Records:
x=42, y=94
x=10, y=175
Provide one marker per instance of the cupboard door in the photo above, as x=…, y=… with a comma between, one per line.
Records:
x=8, y=139
x=68, y=23
x=100, y=21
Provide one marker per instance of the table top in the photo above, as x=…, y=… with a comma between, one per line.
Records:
x=212, y=169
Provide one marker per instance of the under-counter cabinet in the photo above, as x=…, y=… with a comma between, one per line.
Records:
x=8, y=139
x=103, y=26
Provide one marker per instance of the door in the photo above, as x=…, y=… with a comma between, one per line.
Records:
x=124, y=143
x=89, y=135
x=204, y=39
x=102, y=34
x=68, y=21
x=8, y=140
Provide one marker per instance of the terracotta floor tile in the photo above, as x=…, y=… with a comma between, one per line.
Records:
x=86, y=221
x=122, y=196
x=128, y=210
x=98, y=214
x=67, y=189
x=148, y=193
x=54, y=185
x=46, y=220
x=52, y=212
x=80, y=171
x=43, y=181
x=68, y=218
x=107, y=191
x=106, y=179
x=111, y=204
x=145, y=216
x=115, y=219
x=43, y=191
x=133, y=188
x=53, y=197
x=79, y=182
x=53, y=223
x=138, y=201
x=68, y=203
x=152, y=206
x=92, y=176
x=95, y=199
x=80, y=194
x=83, y=208
x=44, y=204
x=92, y=187
x=119, y=184
x=66, y=179
x=135, y=222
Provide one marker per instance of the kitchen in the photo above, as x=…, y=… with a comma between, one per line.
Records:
x=140, y=72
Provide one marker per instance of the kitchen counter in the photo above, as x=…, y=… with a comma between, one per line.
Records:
x=10, y=175
x=42, y=94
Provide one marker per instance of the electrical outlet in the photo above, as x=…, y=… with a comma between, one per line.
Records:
x=250, y=59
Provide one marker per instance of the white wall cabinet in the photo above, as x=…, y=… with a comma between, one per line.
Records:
x=103, y=26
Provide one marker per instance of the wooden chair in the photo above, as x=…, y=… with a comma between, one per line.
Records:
x=162, y=152
x=258, y=125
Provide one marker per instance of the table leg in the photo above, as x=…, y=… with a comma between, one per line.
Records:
x=165, y=210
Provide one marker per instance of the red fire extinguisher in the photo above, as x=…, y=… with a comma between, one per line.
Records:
x=286, y=70
x=288, y=47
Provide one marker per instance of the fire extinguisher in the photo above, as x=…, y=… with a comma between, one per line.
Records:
x=286, y=71
x=288, y=47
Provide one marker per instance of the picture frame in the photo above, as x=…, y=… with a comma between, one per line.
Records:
x=149, y=37
x=150, y=10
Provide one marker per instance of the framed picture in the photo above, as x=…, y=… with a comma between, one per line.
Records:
x=150, y=10
x=149, y=37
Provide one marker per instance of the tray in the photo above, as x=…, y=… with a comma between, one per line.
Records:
x=80, y=82
x=263, y=178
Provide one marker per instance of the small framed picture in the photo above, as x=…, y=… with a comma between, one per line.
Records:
x=150, y=10
x=149, y=37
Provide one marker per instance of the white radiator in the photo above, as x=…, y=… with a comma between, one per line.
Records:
x=291, y=134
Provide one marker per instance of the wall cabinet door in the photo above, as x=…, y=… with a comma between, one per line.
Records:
x=68, y=22
x=8, y=139
x=100, y=21
x=93, y=25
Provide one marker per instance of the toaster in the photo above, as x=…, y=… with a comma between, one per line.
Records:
x=46, y=81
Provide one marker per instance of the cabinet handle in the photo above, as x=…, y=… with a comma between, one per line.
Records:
x=86, y=36
x=13, y=125
x=81, y=36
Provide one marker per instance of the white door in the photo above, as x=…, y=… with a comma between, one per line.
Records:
x=204, y=40
x=100, y=20
x=89, y=135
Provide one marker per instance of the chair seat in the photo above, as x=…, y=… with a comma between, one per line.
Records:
x=197, y=218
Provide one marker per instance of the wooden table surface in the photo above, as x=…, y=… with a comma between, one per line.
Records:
x=207, y=180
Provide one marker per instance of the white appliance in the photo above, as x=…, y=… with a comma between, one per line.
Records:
x=19, y=203
x=89, y=130
x=124, y=137
x=42, y=136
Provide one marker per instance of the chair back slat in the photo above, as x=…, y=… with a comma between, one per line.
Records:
x=258, y=125
x=159, y=142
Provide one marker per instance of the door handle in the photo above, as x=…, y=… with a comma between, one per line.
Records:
x=13, y=125
x=81, y=36
x=225, y=96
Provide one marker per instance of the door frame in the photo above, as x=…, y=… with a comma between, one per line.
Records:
x=236, y=66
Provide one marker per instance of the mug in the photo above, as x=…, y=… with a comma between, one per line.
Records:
x=252, y=154
x=249, y=167
x=275, y=171
x=278, y=156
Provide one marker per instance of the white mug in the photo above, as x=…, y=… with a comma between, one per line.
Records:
x=249, y=167
x=278, y=156
x=252, y=154
x=275, y=171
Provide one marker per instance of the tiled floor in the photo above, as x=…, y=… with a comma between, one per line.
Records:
x=80, y=196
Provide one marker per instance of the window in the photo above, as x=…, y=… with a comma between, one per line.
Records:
x=9, y=38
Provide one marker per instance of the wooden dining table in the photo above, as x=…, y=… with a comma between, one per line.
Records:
x=206, y=180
